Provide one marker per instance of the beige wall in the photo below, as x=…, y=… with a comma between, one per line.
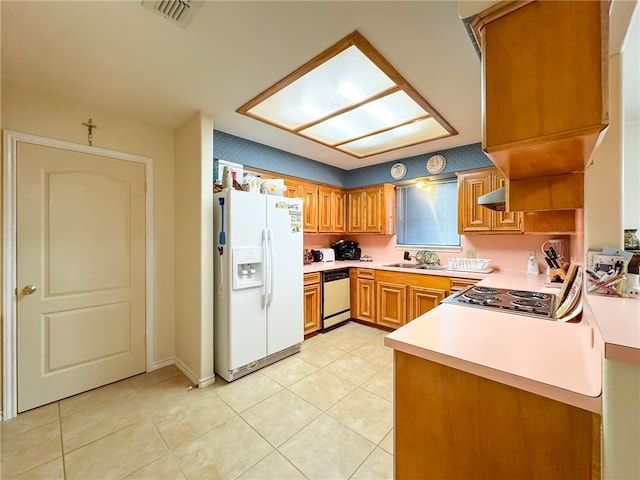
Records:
x=603, y=179
x=603, y=227
x=621, y=421
x=194, y=248
x=55, y=118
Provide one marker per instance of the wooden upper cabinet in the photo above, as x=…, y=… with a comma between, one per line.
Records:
x=310, y=208
x=504, y=221
x=471, y=216
x=355, y=200
x=474, y=218
x=371, y=210
x=545, y=69
x=331, y=210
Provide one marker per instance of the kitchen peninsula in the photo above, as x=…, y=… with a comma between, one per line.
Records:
x=505, y=395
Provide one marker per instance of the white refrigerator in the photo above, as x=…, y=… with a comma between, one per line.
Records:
x=258, y=281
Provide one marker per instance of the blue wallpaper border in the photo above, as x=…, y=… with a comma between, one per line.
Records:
x=252, y=154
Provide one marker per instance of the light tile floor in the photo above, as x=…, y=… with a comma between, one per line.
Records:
x=325, y=413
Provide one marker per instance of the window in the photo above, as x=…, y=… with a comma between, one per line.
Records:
x=428, y=216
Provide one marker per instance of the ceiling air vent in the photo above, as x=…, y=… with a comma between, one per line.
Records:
x=179, y=12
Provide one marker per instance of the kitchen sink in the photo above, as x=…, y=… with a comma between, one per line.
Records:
x=415, y=266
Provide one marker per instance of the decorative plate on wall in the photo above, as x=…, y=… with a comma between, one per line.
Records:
x=398, y=171
x=436, y=164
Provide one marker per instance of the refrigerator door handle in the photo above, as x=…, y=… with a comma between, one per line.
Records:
x=271, y=266
x=265, y=287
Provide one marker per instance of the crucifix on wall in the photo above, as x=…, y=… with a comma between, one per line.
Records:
x=90, y=126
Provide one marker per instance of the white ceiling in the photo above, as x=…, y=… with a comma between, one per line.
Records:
x=121, y=57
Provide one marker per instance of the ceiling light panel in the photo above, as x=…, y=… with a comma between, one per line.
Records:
x=403, y=136
x=345, y=80
x=390, y=111
x=350, y=99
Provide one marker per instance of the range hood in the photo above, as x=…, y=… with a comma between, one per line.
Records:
x=494, y=200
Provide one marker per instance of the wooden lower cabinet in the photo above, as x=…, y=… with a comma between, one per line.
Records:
x=363, y=294
x=391, y=304
x=452, y=424
x=423, y=299
x=402, y=297
x=312, y=299
x=458, y=284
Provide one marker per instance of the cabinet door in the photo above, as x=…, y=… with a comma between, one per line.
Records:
x=293, y=190
x=339, y=211
x=356, y=211
x=391, y=304
x=325, y=210
x=549, y=115
x=422, y=299
x=310, y=208
x=365, y=303
x=471, y=216
x=312, y=321
x=504, y=221
x=373, y=210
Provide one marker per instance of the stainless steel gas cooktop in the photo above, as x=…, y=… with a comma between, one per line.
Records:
x=520, y=302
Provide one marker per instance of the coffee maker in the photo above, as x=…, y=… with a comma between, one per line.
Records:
x=346, y=250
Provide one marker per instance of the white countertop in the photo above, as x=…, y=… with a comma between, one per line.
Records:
x=618, y=320
x=562, y=361
x=324, y=266
x=553, y=359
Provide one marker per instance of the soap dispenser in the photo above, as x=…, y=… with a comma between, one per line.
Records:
x=532, y=265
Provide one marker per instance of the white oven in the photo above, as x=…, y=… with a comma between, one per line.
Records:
x=336, y=301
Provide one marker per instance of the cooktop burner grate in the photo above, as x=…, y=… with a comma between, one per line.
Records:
x=519, y=302
x=481, y=297
x=487, y=290
x=526, y=294
x=529, y=304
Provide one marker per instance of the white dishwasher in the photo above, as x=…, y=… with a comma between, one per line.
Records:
x=336, y=301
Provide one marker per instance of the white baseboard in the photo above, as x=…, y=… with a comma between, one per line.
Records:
x=162, y=364
x=201, y=383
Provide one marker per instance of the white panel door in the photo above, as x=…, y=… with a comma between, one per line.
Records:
x=80, y=272
x=285, y=316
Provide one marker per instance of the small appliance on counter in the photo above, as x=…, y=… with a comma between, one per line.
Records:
x=328, y=255
x=346, y=250
x=317, y=255
x=308, y=257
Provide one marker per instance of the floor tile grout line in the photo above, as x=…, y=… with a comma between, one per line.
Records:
x=62, y=456
x=284, y=385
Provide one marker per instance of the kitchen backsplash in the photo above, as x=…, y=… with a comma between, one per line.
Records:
x=508, y=252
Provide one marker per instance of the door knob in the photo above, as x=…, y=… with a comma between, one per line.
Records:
x=29, y=289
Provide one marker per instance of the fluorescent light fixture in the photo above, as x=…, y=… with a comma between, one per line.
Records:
x=351, y=99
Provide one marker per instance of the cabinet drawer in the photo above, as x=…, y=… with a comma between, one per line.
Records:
x=311, y=278
x=366, y=273
x=458, y=284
